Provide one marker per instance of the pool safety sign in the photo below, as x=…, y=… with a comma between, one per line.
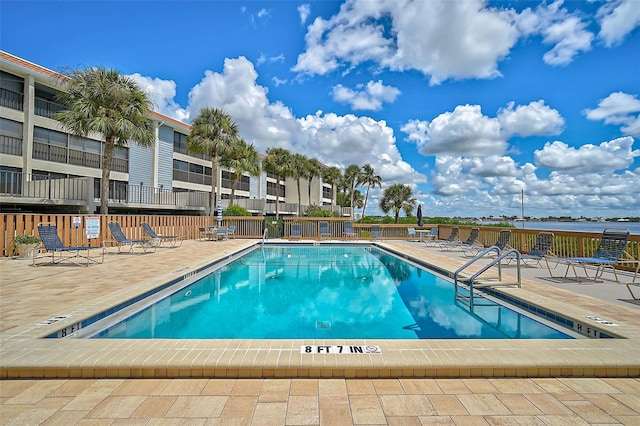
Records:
x=93, y=227
x=340, y=349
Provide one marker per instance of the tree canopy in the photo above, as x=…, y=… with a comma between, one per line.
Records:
x=106, y=102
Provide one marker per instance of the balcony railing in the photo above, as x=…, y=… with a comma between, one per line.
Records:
x=10, y=145
x=149, y=195
x=24, y=185
x=61, y=154
x=11, y=99
x=46, y=108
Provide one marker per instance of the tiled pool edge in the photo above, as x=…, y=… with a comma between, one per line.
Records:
x=23, y=356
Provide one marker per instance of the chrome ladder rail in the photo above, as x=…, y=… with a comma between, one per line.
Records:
x=472, y=281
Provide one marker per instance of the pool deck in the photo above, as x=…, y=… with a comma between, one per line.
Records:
x=411, y=381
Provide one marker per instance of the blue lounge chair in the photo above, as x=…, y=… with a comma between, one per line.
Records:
x=348, y=231
x=159, y=239
x=430, y=236
x=231, y=231
x=121, y=240
x=324, y=230
x=296, y=231
x=376, y=232
x=470, y=243
x=49, y=236
x=222, y=233
x=453, y=237
x=502, y=243
x=611, y=251
x=541, y=249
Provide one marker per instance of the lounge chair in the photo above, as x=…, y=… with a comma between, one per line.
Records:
x=502, y=243
x=453, y=237
x=296, y=231
x=159, y=239
x=51, y=241
x=222, y=233
x=541, y=249
x=121, y=240
x=469, y=243
x=348, y=231
x=324, y=230
x=376, y=232
x=231, y=231
x=206, y=233
x=430, y=236
x=611, y=251
x=411, y=234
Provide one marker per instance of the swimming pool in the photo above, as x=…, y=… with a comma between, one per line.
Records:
x=321, y=292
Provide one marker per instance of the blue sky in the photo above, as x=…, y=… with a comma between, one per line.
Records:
x=469, y=102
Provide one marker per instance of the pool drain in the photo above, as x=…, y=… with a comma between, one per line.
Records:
x=323, y=325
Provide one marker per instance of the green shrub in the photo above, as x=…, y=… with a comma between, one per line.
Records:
x=317, y=211
x=236, y=210
x=26, y=239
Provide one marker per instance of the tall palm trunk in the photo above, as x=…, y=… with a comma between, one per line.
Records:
x=366, y=197
x=214, y=185
x=353, y=190
x=299, y=198
x=107, y=160
x=233, y=190
x=277, y=197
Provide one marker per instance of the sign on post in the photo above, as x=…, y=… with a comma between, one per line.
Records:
x=93, y=227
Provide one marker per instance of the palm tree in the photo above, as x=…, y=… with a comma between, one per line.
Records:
x=352, y=176
x=313, y=169
x=358, y=199
x=106, y=102
x=369, y=178
x=332, y=176
x=298, y=166
x=278, y=162
x=241, y=158
x=212, y=132
x=397, y=197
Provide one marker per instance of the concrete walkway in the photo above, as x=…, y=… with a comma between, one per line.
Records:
x=66, y=382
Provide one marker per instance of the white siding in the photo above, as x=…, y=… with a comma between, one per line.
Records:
x=165, y=157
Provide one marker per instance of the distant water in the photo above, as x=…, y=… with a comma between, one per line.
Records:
x=633, y=227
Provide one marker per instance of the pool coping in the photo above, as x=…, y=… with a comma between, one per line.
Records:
x=24, y=354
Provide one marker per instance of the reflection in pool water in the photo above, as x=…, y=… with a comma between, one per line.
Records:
x=325, y=291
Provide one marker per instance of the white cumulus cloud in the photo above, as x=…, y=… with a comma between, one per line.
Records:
x=608, y=156
x=366, y=97
x=619, y=108
x=304, y=10
x=333, y=139
x=162, y=94
x=465, y=131
x=536, y=118
x=617, y=19
x=441, y=39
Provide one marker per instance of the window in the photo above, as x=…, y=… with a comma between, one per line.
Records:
x=10, y=137
x=179, y=143
x=191, y=172
x=327, y=192
x=227, y=181
x=11, y=91
x=272, y=189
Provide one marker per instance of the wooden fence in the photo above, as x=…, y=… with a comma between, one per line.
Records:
x=185, y=226
x=565, y=244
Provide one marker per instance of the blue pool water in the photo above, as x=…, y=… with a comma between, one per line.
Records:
x=350, y=292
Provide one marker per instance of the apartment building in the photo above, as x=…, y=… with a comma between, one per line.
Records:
x=45, y=169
